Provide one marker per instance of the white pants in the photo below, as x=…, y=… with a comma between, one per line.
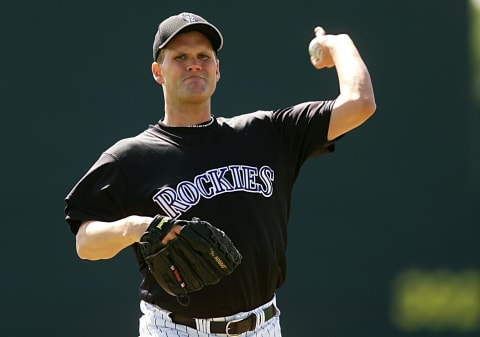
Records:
x=156, y=322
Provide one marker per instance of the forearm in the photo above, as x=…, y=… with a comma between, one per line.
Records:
x=98, y=240
x=353, y=76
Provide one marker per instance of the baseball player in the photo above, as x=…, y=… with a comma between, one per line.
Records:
x=236, y=173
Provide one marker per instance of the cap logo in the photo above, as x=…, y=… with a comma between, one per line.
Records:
x=189, y=17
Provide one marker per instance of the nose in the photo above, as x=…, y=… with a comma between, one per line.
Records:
x=193, y=67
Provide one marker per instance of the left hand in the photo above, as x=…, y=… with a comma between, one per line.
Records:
x=174, y=232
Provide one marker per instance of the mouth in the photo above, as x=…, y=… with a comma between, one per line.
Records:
x=193, y=78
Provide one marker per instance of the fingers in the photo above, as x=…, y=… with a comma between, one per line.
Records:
x=316, y=47
x=174, y=232
x=177, y=229
x=319, y=31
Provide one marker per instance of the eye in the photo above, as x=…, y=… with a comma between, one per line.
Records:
x=203, y=57
x=181, y=57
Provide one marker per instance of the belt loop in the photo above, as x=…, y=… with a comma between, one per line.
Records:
x=259, y=317
x=203, y=325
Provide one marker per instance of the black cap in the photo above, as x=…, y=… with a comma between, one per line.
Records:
x=185, y=22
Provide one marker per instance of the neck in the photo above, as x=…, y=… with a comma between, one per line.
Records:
x=187, y=114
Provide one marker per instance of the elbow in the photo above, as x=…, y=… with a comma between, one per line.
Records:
x=86, y=253
x=83, y=255
x=357, y=108
x=350, y=113
x=365, y=107
x=83, y=251
x=81, y=243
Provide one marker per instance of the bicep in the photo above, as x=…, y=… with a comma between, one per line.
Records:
x=348, y=114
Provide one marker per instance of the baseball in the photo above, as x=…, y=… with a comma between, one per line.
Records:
x=314, y=50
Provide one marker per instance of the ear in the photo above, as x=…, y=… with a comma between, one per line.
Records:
x=218, y=70
x=157, y=73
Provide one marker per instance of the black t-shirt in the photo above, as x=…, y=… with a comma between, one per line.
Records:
x=237, y=174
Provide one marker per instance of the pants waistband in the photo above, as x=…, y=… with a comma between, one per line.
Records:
x=230, y=328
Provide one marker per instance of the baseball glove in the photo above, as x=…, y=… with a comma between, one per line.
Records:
x=200, y=255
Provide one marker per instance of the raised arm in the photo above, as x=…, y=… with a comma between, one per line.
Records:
x=356, y=101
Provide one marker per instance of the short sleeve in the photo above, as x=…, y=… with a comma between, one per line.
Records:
x=98, y=195
x=304, y=129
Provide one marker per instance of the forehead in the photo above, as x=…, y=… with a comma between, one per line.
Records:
x=191, y=39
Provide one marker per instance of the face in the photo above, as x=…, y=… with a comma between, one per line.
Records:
x=188, y=68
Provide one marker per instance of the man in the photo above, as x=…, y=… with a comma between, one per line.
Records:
x=236, y=173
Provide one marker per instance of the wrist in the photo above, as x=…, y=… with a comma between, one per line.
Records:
x=136, y=226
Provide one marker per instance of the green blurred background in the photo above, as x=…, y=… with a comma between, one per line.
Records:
x=384, y=234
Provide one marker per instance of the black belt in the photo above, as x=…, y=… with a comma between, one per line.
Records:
x=228, y=328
